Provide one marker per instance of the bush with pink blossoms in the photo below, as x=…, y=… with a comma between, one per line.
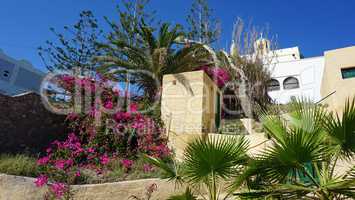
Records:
x=99, y=137
x=219, y=75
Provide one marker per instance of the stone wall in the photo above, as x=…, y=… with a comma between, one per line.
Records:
x=23, y=188
x=178, y=142
x=26, y=125
x=188, y=103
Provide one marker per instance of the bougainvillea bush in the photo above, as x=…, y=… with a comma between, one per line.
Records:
x=218, y=74
x=104, y=131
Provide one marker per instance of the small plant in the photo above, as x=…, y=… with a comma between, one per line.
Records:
x=20, y=165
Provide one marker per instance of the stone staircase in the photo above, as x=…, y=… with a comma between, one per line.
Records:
x=232, y=127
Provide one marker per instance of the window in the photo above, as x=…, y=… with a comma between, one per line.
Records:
x=273, y=85
x=6, y=70
x=291, y=83
x=348, y=73
x=6, y=73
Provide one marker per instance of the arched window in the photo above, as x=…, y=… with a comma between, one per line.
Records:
x=291, y=83
x=273, y=85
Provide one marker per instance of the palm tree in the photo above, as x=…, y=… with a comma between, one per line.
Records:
x=308, y=145
x=158, y=54
x=208, y=163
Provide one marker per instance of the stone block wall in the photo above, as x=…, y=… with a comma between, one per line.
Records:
x=188, y=102
x=26, y=126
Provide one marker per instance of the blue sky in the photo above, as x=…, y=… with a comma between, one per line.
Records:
x=313, y=25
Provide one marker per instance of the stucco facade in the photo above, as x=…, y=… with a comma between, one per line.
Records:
x=328, y=79
x=333, y=83
x=308, y=72
x=190, y=103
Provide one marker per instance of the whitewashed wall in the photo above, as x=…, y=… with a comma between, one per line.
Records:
x=308, y=71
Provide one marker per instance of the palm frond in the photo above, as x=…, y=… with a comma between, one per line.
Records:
x=341, y=130
x=171, y=170
x=218, y=157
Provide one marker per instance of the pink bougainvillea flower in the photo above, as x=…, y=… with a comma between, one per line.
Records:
x=72, y=138
x=219, y=75
x=161, y=150
x=121, y=116
x=69, y=162
x=91, y=150
x=60, y=164
x=41, y=180
x=43, y=160
x=108, y=105
x=58, y=144
x=77, y=173
x=104, y=159
x=58, y=189
x=133, y=107
x=126, y=163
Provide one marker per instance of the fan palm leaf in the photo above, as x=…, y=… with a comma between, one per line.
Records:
x=208, y=161
x=215, y=157
x=341, y=130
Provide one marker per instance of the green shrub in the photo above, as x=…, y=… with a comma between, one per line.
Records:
x=20, y=165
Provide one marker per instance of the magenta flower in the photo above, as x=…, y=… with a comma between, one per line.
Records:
x=60, y=164
x=126, y=163
x=91, y=150
x=108, y=105
x=43, y=160
x=104, y=159
x=133, y=107
x=77, y=173
x=219, y=75
x=58, y=189
x=69, y=162
x=41, y=180
x=119, y=116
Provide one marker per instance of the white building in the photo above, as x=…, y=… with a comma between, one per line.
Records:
x=292, y=75
x=18, y=76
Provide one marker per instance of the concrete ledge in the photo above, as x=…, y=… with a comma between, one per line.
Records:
x=23, y=188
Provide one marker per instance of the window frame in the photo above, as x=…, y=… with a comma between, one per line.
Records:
x=350, y=70
x=284, y=83
x=278, y=86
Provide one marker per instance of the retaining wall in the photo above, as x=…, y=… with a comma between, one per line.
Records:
x=23, y=188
